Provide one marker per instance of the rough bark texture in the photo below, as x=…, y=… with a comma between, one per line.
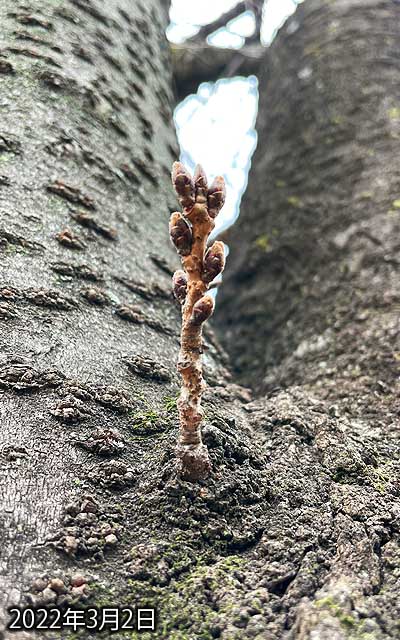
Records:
x=89, y=330
x=310, y=311
x=296, y=533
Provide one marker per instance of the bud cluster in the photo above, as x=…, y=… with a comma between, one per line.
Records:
x=189, y=232
x=184, y=185
x=179, y=285
x=194, y=189
x=180, y=233
x=214, y=262
x=200, y=184
x=202, y=310
x=191, y=190
x=216, y=196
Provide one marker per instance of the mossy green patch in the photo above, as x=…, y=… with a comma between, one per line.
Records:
x=353, y=628
x=394, y=113
x=263, y=242
x=295, y=202
x=148, y=423
x=188, y=592
x=170, y=404
x=102, y=595
x=366, y=195
x=382, y=476
x=187, y=607
x=335, y=609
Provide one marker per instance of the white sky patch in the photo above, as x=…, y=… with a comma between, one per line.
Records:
x=216, y=129
x=216, y=126
x=238, y=30
x=274, y=16
x=188, y=15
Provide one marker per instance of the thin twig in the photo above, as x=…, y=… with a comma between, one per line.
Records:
x=189, y=233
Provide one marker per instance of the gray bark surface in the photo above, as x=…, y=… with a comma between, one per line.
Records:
x=310, y=310
x=86, y=143
x=296, y=533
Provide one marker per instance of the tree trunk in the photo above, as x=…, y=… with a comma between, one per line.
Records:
x=309, y=308
x=89, y=329
x=296, y=529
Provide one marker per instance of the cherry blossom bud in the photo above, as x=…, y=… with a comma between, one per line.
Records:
x=200, y=182
x=216, y=196
x=179, y=283
x=202, y=310
x=214, y=262
x=183, y=185
x=180, y=234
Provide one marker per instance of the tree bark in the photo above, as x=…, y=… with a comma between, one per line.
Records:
x=296, y=533
x=89, y=329
x=310, y=310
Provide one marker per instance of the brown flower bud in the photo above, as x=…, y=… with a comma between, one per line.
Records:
x=179, y=283
x=214, y=262
x=202, y=310
x=183, y=185
x=216, y=196
x=180, y=234
x=200, y=182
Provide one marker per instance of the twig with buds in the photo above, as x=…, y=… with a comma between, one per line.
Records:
x=189, y=233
